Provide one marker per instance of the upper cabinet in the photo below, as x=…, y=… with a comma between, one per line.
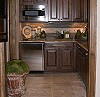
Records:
x=60, y=10
x=65, y=10
x=85, y=10
x=68, y=10
x=79, y=10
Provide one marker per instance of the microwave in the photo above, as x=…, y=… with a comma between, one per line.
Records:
x=34, y=13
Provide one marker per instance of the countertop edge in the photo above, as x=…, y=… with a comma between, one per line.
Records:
x=50, y=41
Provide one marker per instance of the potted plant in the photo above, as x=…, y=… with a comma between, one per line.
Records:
x=16, y=74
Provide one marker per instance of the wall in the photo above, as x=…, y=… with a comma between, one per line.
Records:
x=98, y=52
x=2, y=71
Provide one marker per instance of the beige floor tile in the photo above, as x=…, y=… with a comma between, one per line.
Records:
x=62, y=93
x=54, y=85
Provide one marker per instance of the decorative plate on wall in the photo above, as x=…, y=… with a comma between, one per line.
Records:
x=26, y=31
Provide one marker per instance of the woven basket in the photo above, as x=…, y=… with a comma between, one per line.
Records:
x=16, y=84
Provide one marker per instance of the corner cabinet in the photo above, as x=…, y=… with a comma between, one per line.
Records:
x=59, y=56
x=60, y=10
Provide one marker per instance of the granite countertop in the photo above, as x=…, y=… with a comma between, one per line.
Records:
x=81, y=43
x=49, y=40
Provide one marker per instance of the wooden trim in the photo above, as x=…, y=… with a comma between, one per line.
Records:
x=14, y=29
x=2, y=70
x=92, y=21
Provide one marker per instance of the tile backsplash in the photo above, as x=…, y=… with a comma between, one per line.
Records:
x=53, y=30
x=52, y=27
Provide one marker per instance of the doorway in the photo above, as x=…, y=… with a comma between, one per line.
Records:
x=92, y=49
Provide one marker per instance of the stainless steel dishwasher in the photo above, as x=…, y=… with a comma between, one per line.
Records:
x=33, y=54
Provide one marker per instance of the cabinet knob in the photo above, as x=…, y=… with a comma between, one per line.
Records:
x=78, y=47
x=86, y=54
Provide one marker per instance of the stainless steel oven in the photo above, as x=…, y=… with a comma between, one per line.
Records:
x=34, y=12
x=33, y=54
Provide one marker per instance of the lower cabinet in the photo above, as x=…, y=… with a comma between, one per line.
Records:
x=59, y=57
x=66, y=59
x=82, y=63
x=51, y=59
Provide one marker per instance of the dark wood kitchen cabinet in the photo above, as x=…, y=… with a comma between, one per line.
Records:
x=82, y=63
x=31, y=2
x=51, y=58
x=66, y=59
x=60, y=10
x=85, y=10
x=79, y=10
x=59, y=57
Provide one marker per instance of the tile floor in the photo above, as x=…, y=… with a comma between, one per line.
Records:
x=54, y=85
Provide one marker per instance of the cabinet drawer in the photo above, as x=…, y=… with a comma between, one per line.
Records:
x=31, y=2
x=60, y=44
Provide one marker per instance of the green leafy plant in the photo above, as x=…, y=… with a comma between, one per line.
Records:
x=17, y=67
x=78, y=34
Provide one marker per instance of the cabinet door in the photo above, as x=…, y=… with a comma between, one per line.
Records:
x=78, y=61
x=51, y=59
x=85, y=10
x=78, y=10
x=66, y=59
x=65, y=10
x=84, y=67
x=53, y=10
